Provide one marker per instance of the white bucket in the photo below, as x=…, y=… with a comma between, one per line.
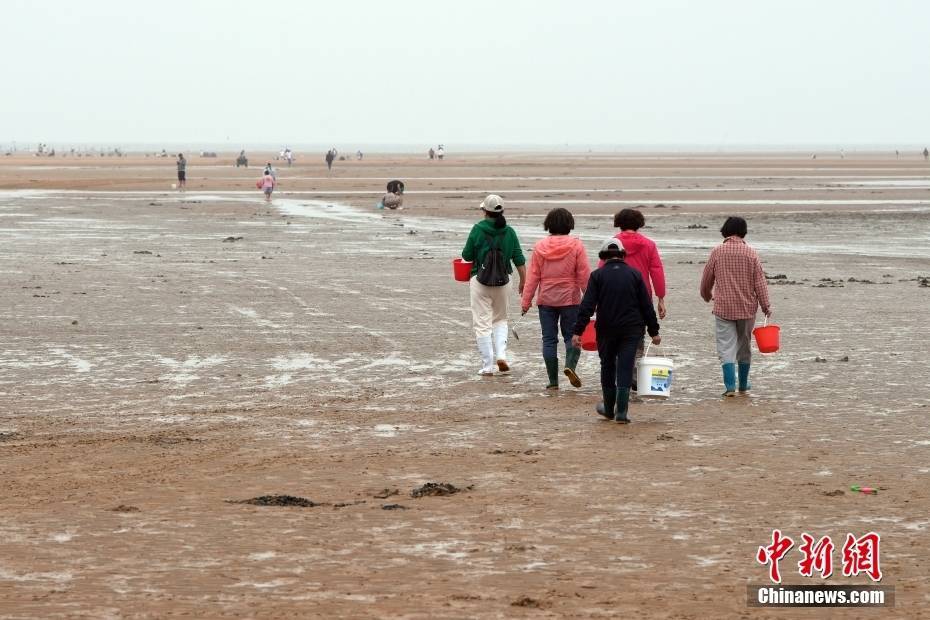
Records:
x=654, y=376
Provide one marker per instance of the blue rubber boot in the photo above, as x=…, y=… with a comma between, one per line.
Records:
x=744, y=384
x=729, y=379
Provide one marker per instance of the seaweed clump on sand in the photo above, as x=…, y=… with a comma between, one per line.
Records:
x=277, y=500
x=437, y=488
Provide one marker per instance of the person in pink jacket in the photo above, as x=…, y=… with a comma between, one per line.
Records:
x=559, y=269
x=268, y=184
x=641, y=253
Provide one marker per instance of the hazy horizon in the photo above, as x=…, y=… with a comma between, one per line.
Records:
x=349, y=149
x=720, y=74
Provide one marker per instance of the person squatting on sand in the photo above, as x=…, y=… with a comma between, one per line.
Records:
x=641, y=253
x=394, y=198
x=492, y=246
x=734, y=280
x=624, y=309
x=559, y=269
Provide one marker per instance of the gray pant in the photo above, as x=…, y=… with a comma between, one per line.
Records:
x=733, y=339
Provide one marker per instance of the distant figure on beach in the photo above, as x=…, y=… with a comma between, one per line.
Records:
x=431, y=153
x=734, y=280
x=182, y=172
x=268, y=184
x=242, y=160
x=269, y=169
x=897, y=154
x=926, y=153
x=394, y=198
x=288, y=156
x=559, y=269
x=440, y=152
x=330, y=157
x=358, y=155
x=492, y=247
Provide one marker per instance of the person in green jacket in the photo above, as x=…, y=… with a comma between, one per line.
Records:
x=489, y=303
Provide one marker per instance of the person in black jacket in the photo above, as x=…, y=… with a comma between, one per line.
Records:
x=624, y=311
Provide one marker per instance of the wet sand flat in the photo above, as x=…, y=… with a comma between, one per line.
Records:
x=165, y=355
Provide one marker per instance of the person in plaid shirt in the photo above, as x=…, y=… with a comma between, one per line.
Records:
x=733, y=279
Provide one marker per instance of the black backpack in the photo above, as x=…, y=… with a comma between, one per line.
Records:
x=493, y=271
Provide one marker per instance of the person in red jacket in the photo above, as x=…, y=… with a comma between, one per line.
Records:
x=643, y=255
x=559, y=269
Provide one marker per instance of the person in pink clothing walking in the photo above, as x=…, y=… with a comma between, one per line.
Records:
x=268, y=184
x=559, y=269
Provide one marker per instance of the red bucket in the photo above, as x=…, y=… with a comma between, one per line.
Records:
x=461, y=269
x=767, y=338
x=589, y=338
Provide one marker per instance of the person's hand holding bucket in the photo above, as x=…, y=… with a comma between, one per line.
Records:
x=768, y=336
x=461, y=270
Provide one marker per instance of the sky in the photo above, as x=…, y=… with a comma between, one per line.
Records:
x=421, y=72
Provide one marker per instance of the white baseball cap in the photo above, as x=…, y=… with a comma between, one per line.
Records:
x=492, y=204
x=612, y=243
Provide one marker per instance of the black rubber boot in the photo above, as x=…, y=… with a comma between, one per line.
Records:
x=552, y=369
x=606, y=408
x=623, y=406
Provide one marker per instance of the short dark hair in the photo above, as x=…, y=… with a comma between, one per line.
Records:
x=734, y=226
x=629, y=219
x=559, y=222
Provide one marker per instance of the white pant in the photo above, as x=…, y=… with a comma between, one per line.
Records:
x=488, y=306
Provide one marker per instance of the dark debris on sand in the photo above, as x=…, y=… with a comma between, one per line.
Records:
x=276, y=500
x=125, y=508
x=437, y=488
x=393, y=507
x=526, y=601
x=9, y=436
